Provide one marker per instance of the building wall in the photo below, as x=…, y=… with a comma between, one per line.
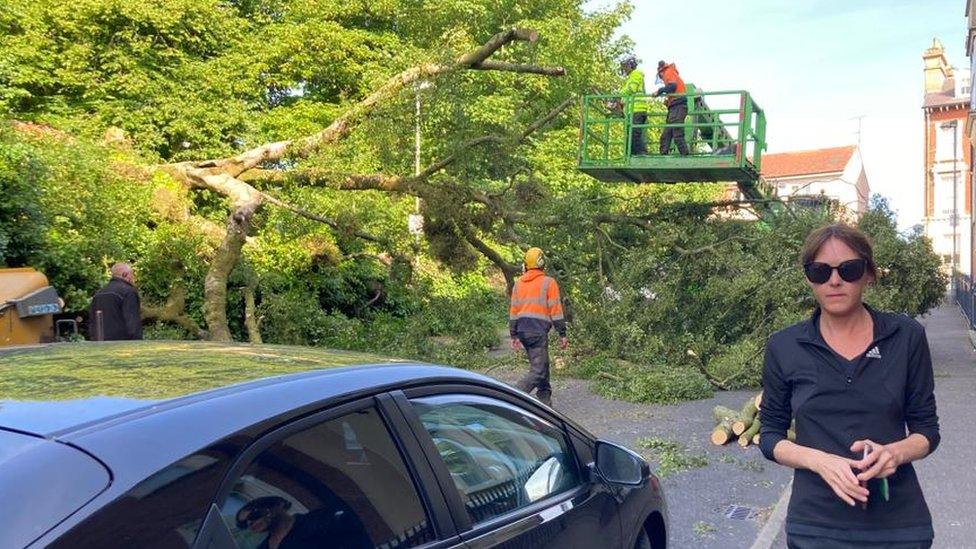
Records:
x=944, y=168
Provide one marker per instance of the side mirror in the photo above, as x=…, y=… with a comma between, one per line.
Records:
x=618, y=465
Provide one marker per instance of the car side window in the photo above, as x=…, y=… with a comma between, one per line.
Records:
x=500, y=457
x=163, y=511
x=340, y=484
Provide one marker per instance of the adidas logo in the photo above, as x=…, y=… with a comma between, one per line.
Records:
x=874, y=353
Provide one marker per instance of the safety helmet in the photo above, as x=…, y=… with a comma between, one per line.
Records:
x=628, y=61
x=534, y=259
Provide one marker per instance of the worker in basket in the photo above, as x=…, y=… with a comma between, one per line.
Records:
x=633, y=92
x=674, y=87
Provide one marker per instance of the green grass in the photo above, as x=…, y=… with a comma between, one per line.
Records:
x=671, y=456
x=153, y=369
x=704, y=529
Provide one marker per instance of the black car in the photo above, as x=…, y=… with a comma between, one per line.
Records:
x=179, y=445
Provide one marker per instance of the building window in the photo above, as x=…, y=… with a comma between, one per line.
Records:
x=944, y=139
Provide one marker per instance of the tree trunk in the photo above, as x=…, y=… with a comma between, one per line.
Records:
x=251, y=320
x=722, y=432
x=224, y=261
x=746, y=438
x=721, y=413
x=746, y=416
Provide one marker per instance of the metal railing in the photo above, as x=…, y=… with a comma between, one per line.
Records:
x=965, y=297
x=733, y=126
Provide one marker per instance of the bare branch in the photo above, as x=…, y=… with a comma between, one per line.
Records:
x=314, y=217
x=520, y=68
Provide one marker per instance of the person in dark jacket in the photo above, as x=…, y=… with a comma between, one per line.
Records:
x=118, y=303
x=858, y=382
x=535, y=309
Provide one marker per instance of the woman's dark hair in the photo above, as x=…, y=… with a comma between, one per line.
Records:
x=855, y=240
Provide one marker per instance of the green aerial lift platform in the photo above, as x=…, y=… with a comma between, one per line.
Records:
x=725, y=132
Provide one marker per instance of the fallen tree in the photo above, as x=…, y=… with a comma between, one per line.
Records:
x=229, y=176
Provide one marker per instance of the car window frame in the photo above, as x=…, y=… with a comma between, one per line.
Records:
x=519, y=519
x=428, y=490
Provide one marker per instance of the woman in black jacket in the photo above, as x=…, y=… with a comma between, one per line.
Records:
x=857, y=381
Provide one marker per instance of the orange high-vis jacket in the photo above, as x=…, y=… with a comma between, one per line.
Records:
x=669, y=74
x=536, y=306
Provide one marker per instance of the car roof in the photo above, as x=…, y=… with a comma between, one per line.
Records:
x=54, y=389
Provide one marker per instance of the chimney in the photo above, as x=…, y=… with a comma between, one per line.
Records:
x=938, y=73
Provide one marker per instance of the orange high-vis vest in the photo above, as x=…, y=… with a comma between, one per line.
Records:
x=536, y=295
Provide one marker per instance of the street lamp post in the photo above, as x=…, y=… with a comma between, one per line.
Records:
x=415, y=220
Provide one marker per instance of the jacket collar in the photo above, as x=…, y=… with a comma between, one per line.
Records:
x=123, y=281
x=883, y=327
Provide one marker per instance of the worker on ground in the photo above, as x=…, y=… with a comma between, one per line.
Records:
x=115, y=308
x=677, y=104
x=633, y=93
x=536, y=308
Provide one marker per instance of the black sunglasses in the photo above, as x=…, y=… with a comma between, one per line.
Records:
x=851, y=270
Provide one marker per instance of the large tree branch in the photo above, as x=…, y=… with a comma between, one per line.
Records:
x=408, y=184
x=509, y=270
x=174, y=310
x=341, y=126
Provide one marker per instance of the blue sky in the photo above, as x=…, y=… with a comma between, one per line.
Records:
x=813, y=65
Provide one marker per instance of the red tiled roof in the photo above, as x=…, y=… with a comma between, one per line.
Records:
x=942, y=99
x=797, y=163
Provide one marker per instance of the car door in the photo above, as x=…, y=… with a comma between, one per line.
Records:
x=510, y=471
x=341, y=478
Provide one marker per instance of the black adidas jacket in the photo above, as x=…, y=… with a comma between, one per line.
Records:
x=887, y=395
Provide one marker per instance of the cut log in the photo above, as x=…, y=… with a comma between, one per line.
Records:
x=758, y=400
x=721, y=412
x=746, y=416
x=722, y=432
x=746, y=437
x=755, y=439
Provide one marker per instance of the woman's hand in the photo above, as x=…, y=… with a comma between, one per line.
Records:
x=836, y=472
x=882, y=461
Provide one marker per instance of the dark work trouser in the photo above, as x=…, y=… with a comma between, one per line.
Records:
x=638, y=144
x=537, y=347
x=794, y=541
x=677, y=113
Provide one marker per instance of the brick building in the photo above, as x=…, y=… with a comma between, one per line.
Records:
x=948, y=177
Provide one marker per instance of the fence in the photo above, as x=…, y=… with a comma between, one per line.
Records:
x=965, y=297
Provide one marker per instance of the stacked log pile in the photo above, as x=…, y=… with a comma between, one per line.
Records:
x=743, y=425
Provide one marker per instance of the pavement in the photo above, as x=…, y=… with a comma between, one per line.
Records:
x=948, y=477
